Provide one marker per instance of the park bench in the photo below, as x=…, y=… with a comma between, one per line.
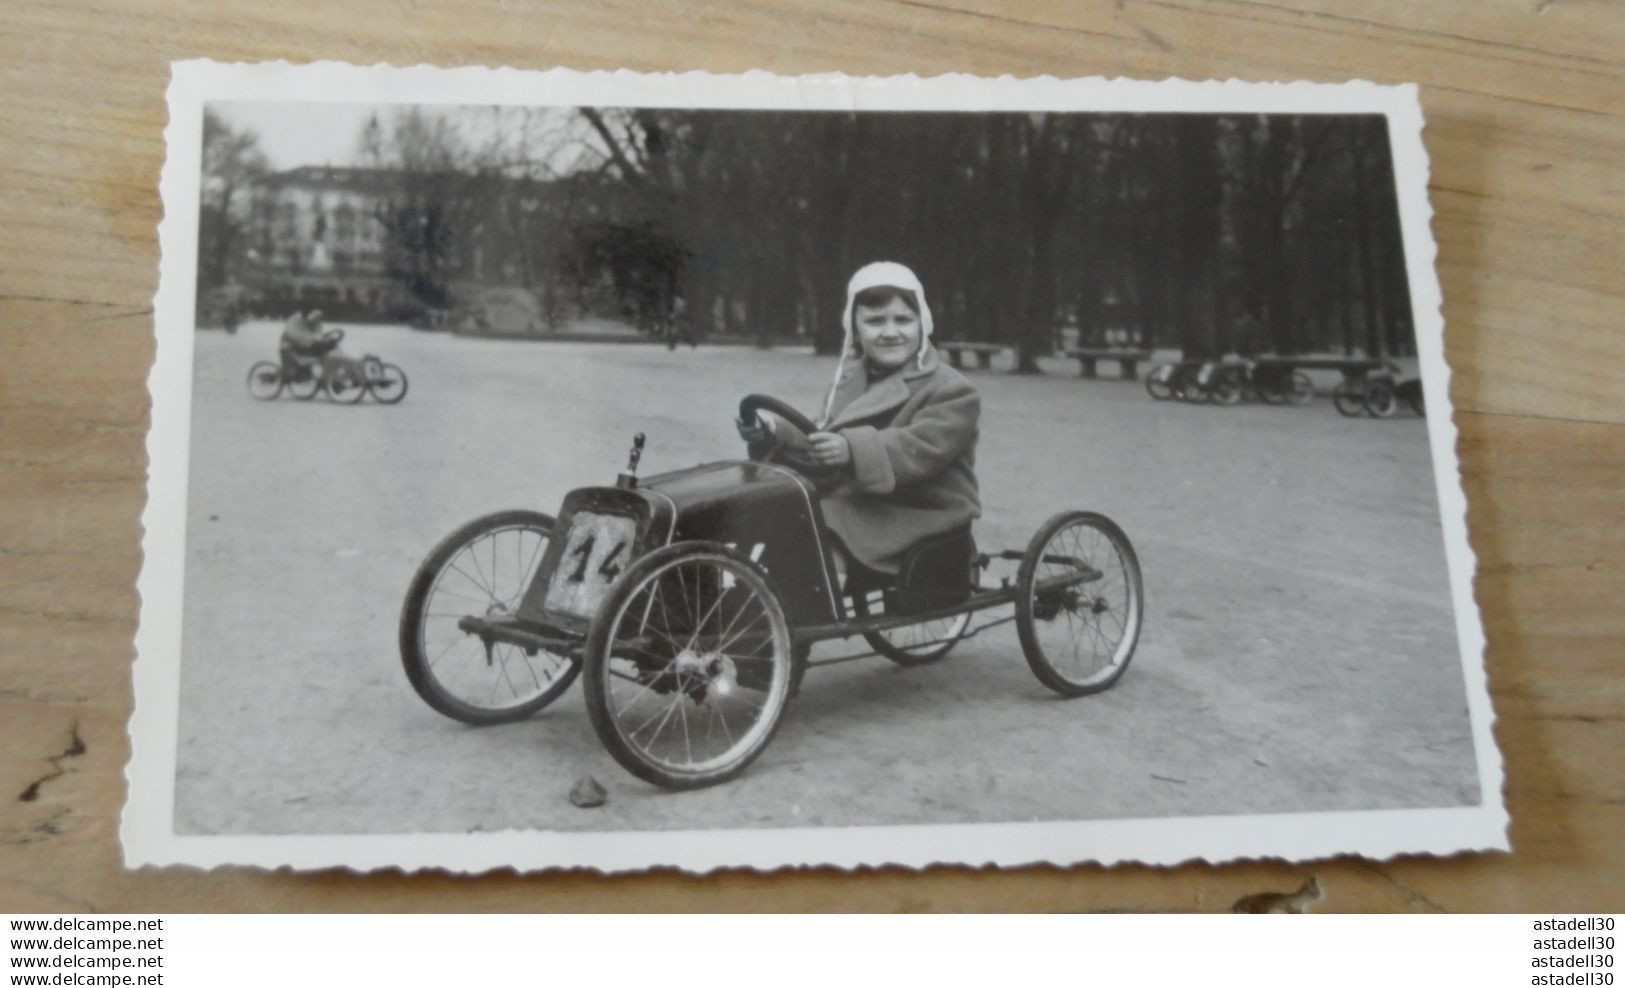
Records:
x=984, y=353
x=1127, y=360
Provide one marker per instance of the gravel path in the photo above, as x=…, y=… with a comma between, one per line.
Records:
x=1299, y=651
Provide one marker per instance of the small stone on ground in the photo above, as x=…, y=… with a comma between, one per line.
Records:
x=587, y=793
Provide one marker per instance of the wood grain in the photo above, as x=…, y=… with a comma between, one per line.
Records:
x=1524, y=103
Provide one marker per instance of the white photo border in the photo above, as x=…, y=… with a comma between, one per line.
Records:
x=148, y=831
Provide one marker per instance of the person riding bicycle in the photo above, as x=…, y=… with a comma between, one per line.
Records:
x=899, y=426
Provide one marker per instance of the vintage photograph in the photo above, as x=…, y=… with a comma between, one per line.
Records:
x=622, y=471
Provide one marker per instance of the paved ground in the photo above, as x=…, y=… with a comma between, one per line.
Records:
x=1298, y=655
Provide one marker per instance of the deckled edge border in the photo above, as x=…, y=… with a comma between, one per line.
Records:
x=147, y=829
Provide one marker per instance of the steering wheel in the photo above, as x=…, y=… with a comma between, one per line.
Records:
x=332, y=337
x=749, y=405
x=789, y=456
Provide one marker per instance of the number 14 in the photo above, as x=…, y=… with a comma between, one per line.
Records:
x=609, y=569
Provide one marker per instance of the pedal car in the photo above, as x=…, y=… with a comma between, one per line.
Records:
x=1378, y=395
x=691, y=601
x=346, y=379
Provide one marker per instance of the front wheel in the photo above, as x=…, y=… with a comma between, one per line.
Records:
x=389, y=384
x=304, y=381
x=481, y=570
x=265, y=380
x=1191, y=385
x=1227, y=389
x=690, y=665
x=346, y=385
x=1381, y=400
x=1079, y=603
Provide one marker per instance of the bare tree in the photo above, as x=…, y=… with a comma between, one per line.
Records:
x=232, y=161
x=424, y=209
x=1205, y=232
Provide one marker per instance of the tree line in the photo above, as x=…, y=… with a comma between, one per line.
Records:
x=1211, y=233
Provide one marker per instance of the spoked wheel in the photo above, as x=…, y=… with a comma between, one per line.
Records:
x=304, y=382
x=914, y=644
x=389, y=384
x=1079, y=603
x=690, y=665
x=1381, y=400
x=1227, y=389
x=1300, y=390
x=346, y=385
x=265, y=380
x=1349, y=398
x=480, y=570
x=1156, y=383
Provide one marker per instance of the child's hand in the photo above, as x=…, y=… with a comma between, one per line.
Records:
x=829, y=449
x=758, y=432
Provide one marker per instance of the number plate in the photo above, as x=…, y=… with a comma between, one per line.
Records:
x=1205, y=375
x=594, y=555
x=1164, y=372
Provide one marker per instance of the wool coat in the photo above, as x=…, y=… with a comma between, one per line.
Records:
x=299, y=335
x=913, y=439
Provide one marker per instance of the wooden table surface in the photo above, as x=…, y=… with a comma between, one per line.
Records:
x=1524, y=102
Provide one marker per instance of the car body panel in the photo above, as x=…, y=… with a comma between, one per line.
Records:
x=764, y=511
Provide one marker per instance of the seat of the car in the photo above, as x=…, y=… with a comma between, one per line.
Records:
x=935, y=572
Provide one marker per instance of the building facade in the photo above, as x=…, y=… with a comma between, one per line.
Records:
x=316, y=238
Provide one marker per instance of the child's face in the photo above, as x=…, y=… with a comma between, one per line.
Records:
x=889, y=335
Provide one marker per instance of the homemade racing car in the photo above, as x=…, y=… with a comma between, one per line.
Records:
x=692, y=600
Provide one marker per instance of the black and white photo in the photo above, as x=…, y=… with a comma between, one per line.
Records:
x=560, y=469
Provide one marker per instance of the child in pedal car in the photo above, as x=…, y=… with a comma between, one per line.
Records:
x=899, y=426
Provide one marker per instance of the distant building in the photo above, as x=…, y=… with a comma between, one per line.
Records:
x=315, y=237
x=493, y=252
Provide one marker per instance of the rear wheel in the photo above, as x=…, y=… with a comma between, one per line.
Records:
x=1227, y=388
x=265, y=380
x=914, y=644
x=389, y=385
x=1079, y=603
x=1349, y=399
x=480, y=570
x=690, y=665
